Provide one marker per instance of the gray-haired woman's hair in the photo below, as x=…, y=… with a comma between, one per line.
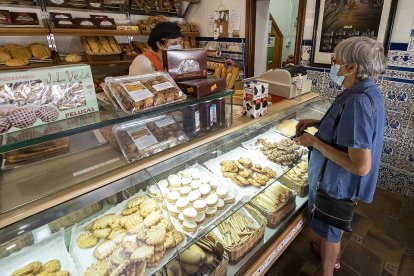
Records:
x=367, y=53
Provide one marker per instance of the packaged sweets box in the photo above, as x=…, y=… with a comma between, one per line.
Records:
x=39, y=96
x=255, y=96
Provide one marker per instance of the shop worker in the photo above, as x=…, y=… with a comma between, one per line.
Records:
x=164, y=36
x=354, y=151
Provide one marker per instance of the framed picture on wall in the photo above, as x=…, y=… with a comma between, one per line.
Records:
x=336, y=20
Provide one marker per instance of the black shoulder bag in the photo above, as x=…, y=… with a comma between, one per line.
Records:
x=333, y=211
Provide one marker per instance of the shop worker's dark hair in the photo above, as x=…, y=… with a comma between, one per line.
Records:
x=162, y=32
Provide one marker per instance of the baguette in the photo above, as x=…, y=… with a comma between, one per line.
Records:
x=234, y=74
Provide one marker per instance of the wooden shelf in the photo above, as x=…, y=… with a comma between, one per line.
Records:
x=190, y=34
x=97, y=63
x=23, y=31
x=29, y=66
x=92, y=32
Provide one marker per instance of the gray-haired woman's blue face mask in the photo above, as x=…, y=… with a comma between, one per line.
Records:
x=334, y=74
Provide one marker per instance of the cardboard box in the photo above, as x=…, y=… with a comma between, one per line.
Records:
x=202, y=87
x=188, y=64
x=39, y=96
x=255, y=99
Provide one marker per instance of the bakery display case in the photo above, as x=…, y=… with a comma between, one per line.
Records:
x=208, y=206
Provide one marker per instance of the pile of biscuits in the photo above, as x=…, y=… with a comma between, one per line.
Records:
x=18, y=55
x=271, y=199
x=51, y=267
x=134, y=240
x=285, y=152
x=298, y=174
x=192, y=197
x=98, y=45
x=244, y=172
x=237, y=229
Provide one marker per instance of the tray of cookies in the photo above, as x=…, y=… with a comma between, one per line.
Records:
x=136, y=93
x=133, y=235
x=275, y=203
x=297, y=178
x=240, y=232
x=276, y=148
x=194, y=199
x=244, y=171
x=49, y=255
x=101, y=48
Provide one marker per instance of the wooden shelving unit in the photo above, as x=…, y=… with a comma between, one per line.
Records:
x=92, y=32
x=29, y=66
x=24, y=31
x=189, y=34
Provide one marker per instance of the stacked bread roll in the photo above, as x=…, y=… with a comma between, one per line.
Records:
x=192, y=197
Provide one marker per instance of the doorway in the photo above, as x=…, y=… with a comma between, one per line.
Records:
x=274, y=45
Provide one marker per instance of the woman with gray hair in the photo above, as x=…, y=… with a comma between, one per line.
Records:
x=353, y=150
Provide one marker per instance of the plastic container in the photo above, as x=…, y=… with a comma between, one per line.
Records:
x=136, y=93
x=191, y=120
x=206, y=116
x=144, y=137
x=218, y=108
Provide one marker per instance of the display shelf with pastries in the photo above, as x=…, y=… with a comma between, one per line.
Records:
x=97, y=181
x=23, y=31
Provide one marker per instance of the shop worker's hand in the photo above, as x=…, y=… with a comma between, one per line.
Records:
x=306, y=140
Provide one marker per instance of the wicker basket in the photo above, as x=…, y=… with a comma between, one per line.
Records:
x=274, y=218
x=237, y=252
x=114, y=56
x=301, y=190
x=221, y=269
x=75, y=217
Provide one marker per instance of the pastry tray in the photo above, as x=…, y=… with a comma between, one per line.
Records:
x=208, y=221
x=51, y=248
x=84, y=257
x=243, y=193
x=271, y=136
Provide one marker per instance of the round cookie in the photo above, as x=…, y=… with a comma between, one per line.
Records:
x=47, y=113
x=220, y=204
x=186, y=173
x=189, y=226
x=163, y=183
x=212, y=200
x=200, y=218
x=5, y=124
x=230, y=198
x=184, y=191
x=200, y=205
x=214, y=183
x=211, y=211
x=205, y=190
x=195, y=184
x=222, y=191
x=86, y=240
x=22, y=118
x=190, y=214
x=173, y=210
x=172, y=197
x=185, y=181
x=194, y=195
x=182, y=203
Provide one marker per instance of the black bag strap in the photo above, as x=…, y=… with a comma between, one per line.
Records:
x=335, y=126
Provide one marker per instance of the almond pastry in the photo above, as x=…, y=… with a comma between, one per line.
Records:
x=51, y=266
x=148, y=206
x=115, y=232
x=135, y=202
x=129, y=211
x=101, y=268
x=104, y=249
x=155, y=236
x=86, y=240
x=110, y=220
x=119, y=256
x=129, y=222
x=33, y=268
x=101, y=233
x=143, y=253
x=62, y=273
x=152, y=219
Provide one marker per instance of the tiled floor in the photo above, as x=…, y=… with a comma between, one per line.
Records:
x=382, y=242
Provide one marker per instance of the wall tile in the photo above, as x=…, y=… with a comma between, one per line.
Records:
x=405, y=160
x=396, y=181
x=398, y=96
x=400, y=58
x=318, y=80
x=390, y=152
x=392, y=73
x=396, y=124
